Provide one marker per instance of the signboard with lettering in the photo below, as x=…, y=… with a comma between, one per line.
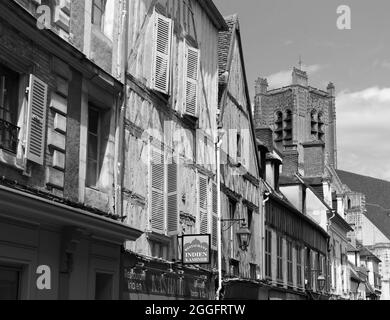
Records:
x=158, y=283
x=196, y=249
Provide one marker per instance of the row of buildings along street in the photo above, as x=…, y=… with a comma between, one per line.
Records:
x=135, y=165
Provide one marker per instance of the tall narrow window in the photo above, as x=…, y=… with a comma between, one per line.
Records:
x=98, y=11
x=279, y=257
x=314, y=125
x=321, y=127
x=279, y=127
x=93, y=170
x=268, y=254
x=9, y=90
x=299, y=267
x=232, y=214
x=289, y=262
x=239, y=142
x=287, y=137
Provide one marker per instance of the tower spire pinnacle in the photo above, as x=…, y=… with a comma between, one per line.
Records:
x=300, y=62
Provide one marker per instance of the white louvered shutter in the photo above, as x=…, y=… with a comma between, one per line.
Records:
x=157, y=186
x=214, y=209
x=162, y=53
x=203, y=204
x=172, y=201
x=36, y=120
x=245, y=138
x=191, y=60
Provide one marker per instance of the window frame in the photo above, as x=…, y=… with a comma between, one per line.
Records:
x=290, y=272
x=268, y=254
x=279, y=258
x=102, y=11
x=298, y=251
x=98, y=147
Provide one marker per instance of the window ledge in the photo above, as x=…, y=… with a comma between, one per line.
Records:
x=11, y=160
x=161, y=238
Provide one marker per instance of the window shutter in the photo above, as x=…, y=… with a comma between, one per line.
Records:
x=243, y=158
x=36, y=120
x=214, y=224
x=162, y=53
x=191, y=80
x=172, y=202
x=203, y=204
x=157, y=186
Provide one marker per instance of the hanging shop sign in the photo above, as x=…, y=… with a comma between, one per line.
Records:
x=196, y=249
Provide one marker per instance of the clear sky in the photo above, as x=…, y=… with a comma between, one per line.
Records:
x=276, y=32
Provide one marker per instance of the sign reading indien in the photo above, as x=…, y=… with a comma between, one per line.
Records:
x=196, y=249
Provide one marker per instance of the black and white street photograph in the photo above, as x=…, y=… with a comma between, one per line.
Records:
x=190, y=157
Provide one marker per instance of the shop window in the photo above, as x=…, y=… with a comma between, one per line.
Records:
x=9, y=283
x=268, y=254
x=103, y=286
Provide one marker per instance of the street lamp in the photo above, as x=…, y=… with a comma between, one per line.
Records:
x=244, y=235
x=321, y=281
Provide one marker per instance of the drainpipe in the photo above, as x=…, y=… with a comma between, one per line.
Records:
x=218, y=144
x=122, y=55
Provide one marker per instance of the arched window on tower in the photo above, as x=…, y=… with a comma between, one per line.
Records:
x=321, y=127
x=287, y=137
x=279, y=127
x=314, y=125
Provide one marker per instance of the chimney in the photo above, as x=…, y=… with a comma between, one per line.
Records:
x=290, y=160
x=314, y=158
x=261, y=86
x=300, y=77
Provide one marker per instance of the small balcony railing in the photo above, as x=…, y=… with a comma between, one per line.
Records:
x=9, y=136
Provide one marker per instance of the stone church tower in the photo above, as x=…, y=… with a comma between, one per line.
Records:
x=303, y=123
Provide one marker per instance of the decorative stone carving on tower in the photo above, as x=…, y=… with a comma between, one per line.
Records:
x=299, y=77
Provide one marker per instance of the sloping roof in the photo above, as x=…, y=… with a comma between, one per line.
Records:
x=377, y=194
x=224, y=42
x=213, y=13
